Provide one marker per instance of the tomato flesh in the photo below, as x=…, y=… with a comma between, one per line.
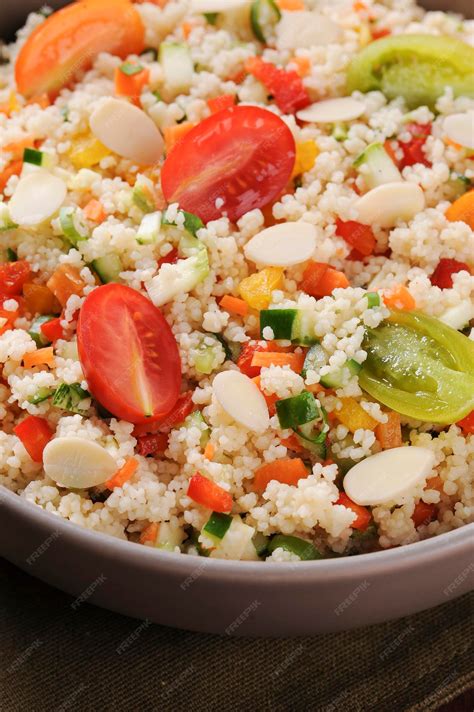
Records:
x=128, y=354
x=234, y=161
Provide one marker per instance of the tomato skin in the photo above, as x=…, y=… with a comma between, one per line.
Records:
x=442, y=277
x=208, y=494
x=183, y=407
x=363, y=514
x=128, y=354
x=243, y=155
x=35, y=433
x=224, y=101
x=13, y=276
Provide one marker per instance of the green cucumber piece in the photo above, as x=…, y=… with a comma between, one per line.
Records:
x=73, y=225
x=179, y=278
x=415, y=67
x=297, y=410
x=41, y=395
x=36, y=333
x=302, y=548
x=264, y=15
x=149, y=229
x=373, y=299
x=191, y=222
x=11, y=255
x=339, y=132
x=108, y=268
x=314, y=360
x=339, y=377
x=36, y=158
x=67, y=397
x=289, y=324
x=6, y=223
x=260, y=542
x=376, y=167
x=142, y=197
x=211, y=17
x=217, y=525
x=177, y=65
x=195, y=419
x=207, y=357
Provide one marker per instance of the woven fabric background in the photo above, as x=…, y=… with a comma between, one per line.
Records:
x=53, y=657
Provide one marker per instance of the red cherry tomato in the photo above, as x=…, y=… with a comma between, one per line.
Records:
x=242, y=156
x=128, y=354
x=13, y=276
x=207, y=493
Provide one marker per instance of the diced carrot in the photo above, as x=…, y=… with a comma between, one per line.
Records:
x=302, y=65
x=209, y=451
x=224, y=101
x=64, y=282
x=174, y=134
x=16, y=148
x=359, y=6
x=123, y=475
x=423, y=513
x=40, y=357
x=149, y=533
x=131, y=85
x=315, y=388
x=292, y=443
x=186, y=29
x=320, y=279
x=7, y=320
x=271, y=358
x=332, y=279
x=234, y=305
x=39, y=299
x=399, y=298
x=450, y=142
x=435, y=483
x=389, y=434
x=13, y=169
x=42, y=100
x=379, y=32
x=290, y=5
x=238, y=77
x=288, y=472
x=364, y=516
x=94, y=211
x=270, y=399
x=462, y=209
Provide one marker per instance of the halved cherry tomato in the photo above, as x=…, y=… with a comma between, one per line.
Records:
x=128, y=354
x=207, y=493
x=234, y=161
x=70, y=39
x=13, y=276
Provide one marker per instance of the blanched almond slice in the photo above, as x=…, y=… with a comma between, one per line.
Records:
x=389, y=203
x=460, y=128
x=282, y=245
x=388, y=476
x=77, y=463
x=306, y=29
x=205, y=6
x=330, y=111
x=128, y=131
x=37, y=197
x=238, y=395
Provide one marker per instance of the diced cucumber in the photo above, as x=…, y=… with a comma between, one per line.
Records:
x=177, y=65
x=237, y=542
x=68, y=397
x=232, y=349
x=293, y=544
x=143, y=194
x=73, y=225
x=190, y=222
x=207, y=357
x=297, y=410
x=108, y=268
x=264, y=15
x=376, y=166
x=312, y=437
x=169, y=536
x=314, y=360
x=293, y=324
x=41, y=395
x=211, y=17
x=36, y=333
x=149, y=231
x=339, y=132
x=178, y=278
x=260, y=542
x=217, y=525
x=373, y=299
x=196, y=420
x=11, y=255
x=37, y=158
x=460, y=184
x=6, y=223
x=341, y=375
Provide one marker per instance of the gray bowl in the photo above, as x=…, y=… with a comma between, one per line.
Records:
x=231, y=597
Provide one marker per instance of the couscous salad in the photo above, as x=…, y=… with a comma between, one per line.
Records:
x=237, y=290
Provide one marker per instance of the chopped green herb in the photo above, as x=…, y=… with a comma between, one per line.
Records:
x=68, y=397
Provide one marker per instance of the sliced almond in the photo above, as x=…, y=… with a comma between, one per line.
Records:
x=37, y=197
x=331, y=111
x=388, y=476
x=460, y=129
x=305, y=29
x=238, y=395
x=205, y=6
x=77, y=463
x=390, y=203
x=127, y=130
x=282, y=245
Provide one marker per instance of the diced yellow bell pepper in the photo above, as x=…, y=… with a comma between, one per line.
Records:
x=88, y=152
x=257, y=289
x=10, y=105
x=306, y=153
x=354, y=417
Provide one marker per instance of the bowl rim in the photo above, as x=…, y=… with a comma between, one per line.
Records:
x=401, y=557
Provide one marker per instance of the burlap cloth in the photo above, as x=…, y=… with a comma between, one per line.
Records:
x=55, y=658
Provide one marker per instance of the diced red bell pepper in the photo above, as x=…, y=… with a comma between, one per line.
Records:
x=183, y=407
x=358, y=236
x=285, y=86
x=423, y=513
x=467, y=424
x=244, y=362
x=224, y=101
x=207, y=493
x=13, y=276
x=379, y=32
x=170, y=259
x=363, y=514
x=413, y=150
x=442, y=277
x=152, y=444
x=35, y=433
x=52, y=330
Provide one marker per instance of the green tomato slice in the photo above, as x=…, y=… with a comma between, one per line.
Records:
x=416, y=67
x=420, y=368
